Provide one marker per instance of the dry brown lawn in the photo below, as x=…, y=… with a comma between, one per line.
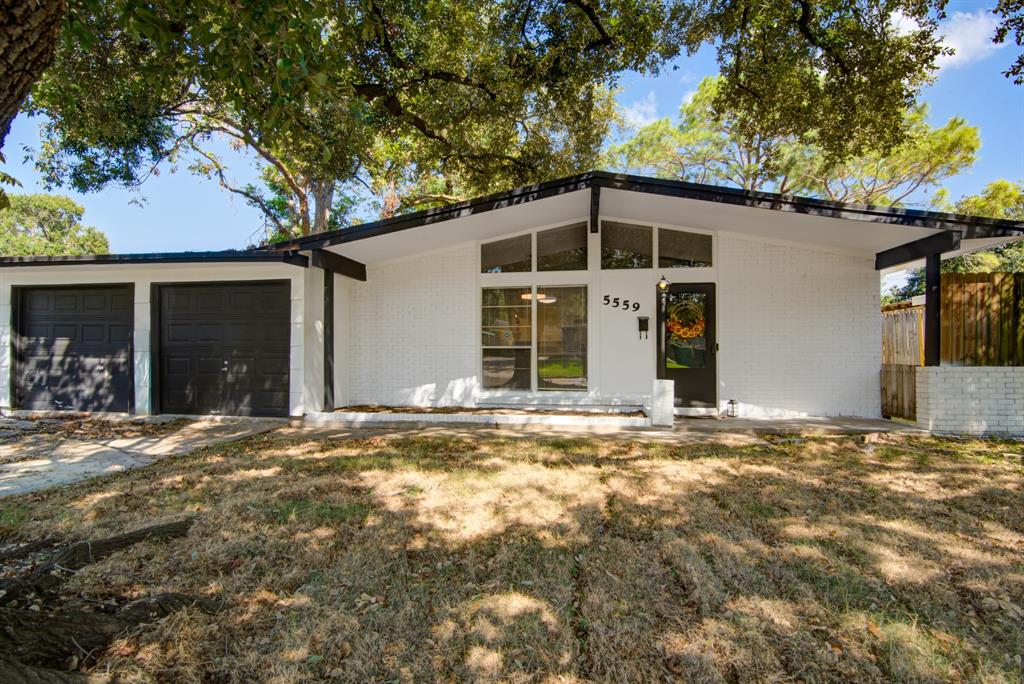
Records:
x=442, y=559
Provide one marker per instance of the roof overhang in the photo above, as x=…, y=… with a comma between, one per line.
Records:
x=847, y=228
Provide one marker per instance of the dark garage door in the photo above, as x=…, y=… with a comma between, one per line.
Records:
x=73, y=348
x=223, y=348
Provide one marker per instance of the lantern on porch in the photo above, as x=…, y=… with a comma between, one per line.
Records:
x=732, y=408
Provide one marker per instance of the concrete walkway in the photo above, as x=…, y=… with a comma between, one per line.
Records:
x=43, y=461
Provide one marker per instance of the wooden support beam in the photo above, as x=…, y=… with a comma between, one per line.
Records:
x=336, y=263
x=595, y=207
x=946, y=241
x=932, y=309
x=328, y=341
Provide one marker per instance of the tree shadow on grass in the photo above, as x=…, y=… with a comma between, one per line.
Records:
x=425, y=559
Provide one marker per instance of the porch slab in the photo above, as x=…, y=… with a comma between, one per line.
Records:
x=810, y=425
x=607, y=424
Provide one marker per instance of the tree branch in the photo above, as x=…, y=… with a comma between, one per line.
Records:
x=605, y=40
x=803, y=24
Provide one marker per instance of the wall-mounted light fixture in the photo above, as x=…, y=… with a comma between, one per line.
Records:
x=663, y=284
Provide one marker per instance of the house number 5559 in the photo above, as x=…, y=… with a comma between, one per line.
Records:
x=619, y=303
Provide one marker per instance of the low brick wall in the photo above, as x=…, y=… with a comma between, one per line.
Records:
x=974, y=400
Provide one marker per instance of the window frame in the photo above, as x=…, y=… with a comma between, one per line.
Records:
x=592, y=279
x=534, y=388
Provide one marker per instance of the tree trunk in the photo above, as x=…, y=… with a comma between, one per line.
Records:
x=47, y=576
x=323, y=198
x=11, y=670
x=49, y=640
x=28, y=39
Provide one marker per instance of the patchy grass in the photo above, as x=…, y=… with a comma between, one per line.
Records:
x=419, y=559
x=11, y=517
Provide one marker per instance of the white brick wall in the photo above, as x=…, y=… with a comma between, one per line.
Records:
x=412, y=331
x=799, y=329
x=971, y=400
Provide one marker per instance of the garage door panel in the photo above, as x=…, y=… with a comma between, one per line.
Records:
x=74, y=348
x=226, y=331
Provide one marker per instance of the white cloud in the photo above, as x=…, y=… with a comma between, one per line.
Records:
x=901, y=24
x=970, y=35
x=688, y=96
x=642, y=112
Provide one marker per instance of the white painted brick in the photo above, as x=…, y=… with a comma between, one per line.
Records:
x=971, y=400
x=800, y=330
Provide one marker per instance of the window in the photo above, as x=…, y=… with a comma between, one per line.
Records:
x=561, y=338
x=562, y=249
x=506, y=337
x=624, y=245
x=512, y=255
x=685, y=330
x=677, y=248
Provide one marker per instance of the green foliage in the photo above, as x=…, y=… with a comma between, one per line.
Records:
x=838, y=73
x=421, y=101
x=493, y=94
x=708, y=147
x=1000, y=199
x=1011, y=14
x=47, y=225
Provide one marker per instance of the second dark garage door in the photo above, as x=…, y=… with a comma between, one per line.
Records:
x=223, y=348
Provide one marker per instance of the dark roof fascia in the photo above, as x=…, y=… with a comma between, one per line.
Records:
x=231, y=256
x=479, y=205
x=969, y=227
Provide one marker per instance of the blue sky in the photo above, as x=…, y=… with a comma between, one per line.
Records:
x=178, y=211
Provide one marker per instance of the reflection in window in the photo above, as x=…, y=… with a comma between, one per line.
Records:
x=677, y=248
x=506, y=337
x=562, y=249
x=685, y=330
x=506, y=256
x=624, y=245
x=562, y=338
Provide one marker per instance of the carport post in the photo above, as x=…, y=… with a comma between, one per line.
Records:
x=932, y=309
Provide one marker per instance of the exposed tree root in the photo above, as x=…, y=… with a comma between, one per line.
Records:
x=50, y=575
x=31, y=641
x=12, y=670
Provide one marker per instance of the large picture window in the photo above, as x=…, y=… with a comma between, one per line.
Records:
x=510, y=333
x=506, y=337
x=562, y=338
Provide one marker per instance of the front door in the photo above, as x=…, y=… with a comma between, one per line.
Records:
x=686, y=342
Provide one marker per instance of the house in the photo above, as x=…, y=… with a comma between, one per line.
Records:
x=574, y=292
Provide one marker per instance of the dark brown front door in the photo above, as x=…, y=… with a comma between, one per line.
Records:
x=686, y=342
x=223, y=348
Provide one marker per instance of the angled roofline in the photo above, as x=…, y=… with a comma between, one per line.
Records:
x=226, y=256
x=969, y=227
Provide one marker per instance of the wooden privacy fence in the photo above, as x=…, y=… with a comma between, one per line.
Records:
x=903, y=335
x=982, y=324
x=982, y=319
x=899, y=390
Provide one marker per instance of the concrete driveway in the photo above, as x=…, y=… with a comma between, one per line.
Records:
x=36, y=454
